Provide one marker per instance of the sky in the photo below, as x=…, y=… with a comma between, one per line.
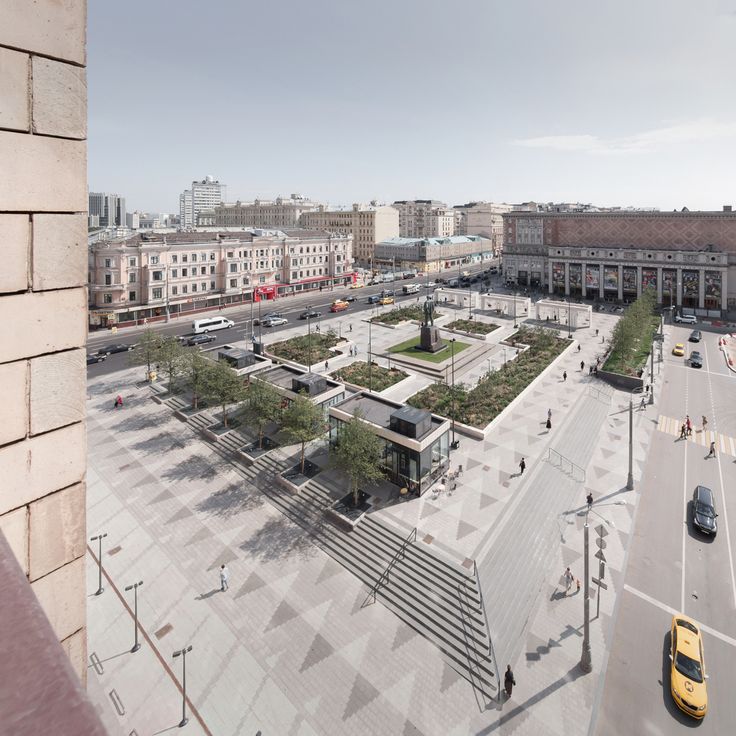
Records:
x=614, y=102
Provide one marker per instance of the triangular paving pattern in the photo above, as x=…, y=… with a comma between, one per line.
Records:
x=319, y=650
x=163, y=496
x=283, y=614
x=254, y=582
x=485, y=500
x=463, y=529
x=449, y=677
x=330, y=569
x=428, y=510
x=182, y=513
x=404, y=634
x=361, y=695
x=202, y=534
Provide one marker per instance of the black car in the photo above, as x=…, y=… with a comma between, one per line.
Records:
x=115, y=348
x=704, y=511
x=349, y=298
x=695, y=336
x=310, y=314
x=95, y=358
x=387, y=292
x=200, y=339
x=696, y=359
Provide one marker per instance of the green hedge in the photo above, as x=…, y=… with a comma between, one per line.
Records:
x=297, y=348
x=381, y=378
x=402, y=314
x=471, y=325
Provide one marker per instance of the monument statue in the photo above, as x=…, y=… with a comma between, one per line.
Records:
x=428, y=312
x=429, y=335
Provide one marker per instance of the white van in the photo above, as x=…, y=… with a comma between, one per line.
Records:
x=209, y=324
x=686, y=319
x=410, y=288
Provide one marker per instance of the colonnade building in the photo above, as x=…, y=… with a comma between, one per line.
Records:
x=688, y=257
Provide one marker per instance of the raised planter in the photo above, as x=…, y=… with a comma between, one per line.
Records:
x=252, y=452
x=293, y=479
x=345, y=515
x=621, y=381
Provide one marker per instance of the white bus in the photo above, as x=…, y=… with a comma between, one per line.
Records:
x=209, y=324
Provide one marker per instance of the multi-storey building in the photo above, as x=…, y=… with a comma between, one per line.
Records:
x=429, y=255
x=688, y=257
x=154, y=276
x=279, y=213
x=484, y=219
x=424, y=218
x=106, y=210
x=367, y=224
x=203, y=195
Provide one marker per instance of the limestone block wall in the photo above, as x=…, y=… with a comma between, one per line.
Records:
x=43, y=301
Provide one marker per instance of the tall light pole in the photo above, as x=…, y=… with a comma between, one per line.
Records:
x=134, y=588
x=470, y=300
x=183, y=654
x=569, y=325
x=309, y=339
x=99, y=539
x=630, y=477
x=586, y=665
x=370, y=353
x=453, y=390
x=515, y=325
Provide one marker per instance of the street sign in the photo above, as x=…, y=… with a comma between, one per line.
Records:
x=599, y=554
x=600, y=583
x=601, y=543
x=601, y=530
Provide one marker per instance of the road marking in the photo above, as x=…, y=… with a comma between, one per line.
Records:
x=684, y=523
x=671, y=426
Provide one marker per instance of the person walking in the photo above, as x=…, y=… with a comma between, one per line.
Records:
x=582, y=365
x=578, y=347
x=590, y=370
x=549, y=424
x=118, y=402
x=683, y=432
x=508, y=681
x=705, y=422
x=224, y=576
x=351, y=327
x=564, y=376
x=589, y=500
x=596, y=332
x=712, y=450
x=568, y=580
x=522, y=466
x=642, y=404
x=688, y=425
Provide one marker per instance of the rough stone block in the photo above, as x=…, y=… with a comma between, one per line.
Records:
x=41, y=465
x=42, y=174
x=51, y=321
x=14, y=86
x=15, y=244
x=59, y=596
x=15, y=528
x=59, y=99
x=59, y=251
x=75, y=647
x=58, y=385
x=57, y=530
x=51, y=27
x=14, y=401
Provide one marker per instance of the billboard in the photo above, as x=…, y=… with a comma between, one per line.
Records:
x=669, y=285
x=610, y=278
x=713, y=285
x=630, y=279
x=576, y=276
x=592, y=277
x=558, y=274
x=648, y=278
x=690, y=285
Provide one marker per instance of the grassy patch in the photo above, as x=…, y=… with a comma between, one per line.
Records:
x=479, y=406
x=402, y=314
x=381, y=378
x=297, y=348
x=471, y=325
x=632, y=356
x=411, y=348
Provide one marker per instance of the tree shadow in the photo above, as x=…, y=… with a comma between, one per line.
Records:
x=197, y=467
x=232, y=500
x=280, y=539
x=163, y=441
x=137, y=422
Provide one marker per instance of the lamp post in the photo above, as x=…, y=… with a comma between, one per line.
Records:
x=651, y=377
x=586, y=664
x=166, y=271
x=251, y=316
x=515, y=325
x=260, y=326
x=183, y=654
x=569, y=325
x=370, y=353
x=99, y=539
x=134, y=588
x=630, y=477
x=453, y=390
x=309, y=340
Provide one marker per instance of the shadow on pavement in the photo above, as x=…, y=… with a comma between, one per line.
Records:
x=197, y=467
x=280, y=539
x=232, y=500
x=209, y=594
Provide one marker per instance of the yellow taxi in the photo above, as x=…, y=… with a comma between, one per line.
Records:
x=679, y=349
x=339, y=306
x=386, y=300
x=357, y=285
x=687, y=677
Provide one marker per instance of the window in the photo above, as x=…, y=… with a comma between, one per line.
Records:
x=212, y=284
x=174, y=290
x=184, y=289
x=175, y=259
x=203, y=270
x=132, y=296
x=202, y=256
x=185, y=272
x=153, y=260
x=108, y=262
x=174, y=273
x=261, y=279
x=233, y=283
x=212, y=256
x=212, y=269
x=230, y=253
x=203, y=286
x=107, y=298
x=184, y=258
x=108, y=279
x=131, y=262
x=158, y=293
x=233, y=268
x=194, y=257
x=293, y=274
x=194, y=287
x=158, y=275
x=131, y=278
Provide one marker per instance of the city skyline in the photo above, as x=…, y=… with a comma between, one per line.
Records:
x=526, y=104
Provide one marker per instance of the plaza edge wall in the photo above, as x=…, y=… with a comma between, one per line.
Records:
x=43, y=304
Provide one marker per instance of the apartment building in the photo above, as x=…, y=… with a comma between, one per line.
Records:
x=203, y=195
x=429, y=255
x=367, y=224
x=424, y=218
x=279, y=213
x=154, y=276
x=106, y=210
x=484, y=219
x=689, y=258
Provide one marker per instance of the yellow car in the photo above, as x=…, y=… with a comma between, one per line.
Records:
x=357, y=285
x=687, y=677
x=679, y=349
x=386, y=300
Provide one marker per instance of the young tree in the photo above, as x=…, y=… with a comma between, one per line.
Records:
x=195, y=367
x=358, y=454
x=262, y=405
x=146, y=352
x=303, y=422
x=222, y=386
x=170, y=357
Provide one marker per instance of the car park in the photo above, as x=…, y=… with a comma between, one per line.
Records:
x=115, y=348
x=679, y=349
x=687, y=667
x=695, y=336
x=310, y=314
x=201, y=339
x=703, y=511
x=95, y=358
x=696, y=359
x=273, y=321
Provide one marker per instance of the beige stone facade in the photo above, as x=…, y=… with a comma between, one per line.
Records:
x=484, y=219
x=43, y=230
x=367, y=224
x=278, y=213
x=424, y=218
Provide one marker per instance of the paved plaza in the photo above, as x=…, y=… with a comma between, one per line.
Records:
x=291, y=648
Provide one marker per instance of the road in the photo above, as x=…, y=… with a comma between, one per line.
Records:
x=671, y=568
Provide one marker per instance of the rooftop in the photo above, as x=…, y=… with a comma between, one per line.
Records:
x=451, y=240
x=283, y=375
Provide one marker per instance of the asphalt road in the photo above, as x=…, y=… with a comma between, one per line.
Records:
x=672, y=568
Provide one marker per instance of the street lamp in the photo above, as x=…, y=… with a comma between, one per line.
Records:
x=586, y=664
x=651, y=377
x=183, y=654
x=99, y=539
x=569, y=325
x=515, y=325
x=134, y=588
x=309, y=339
x=370, y=353
x=454, y=442
x=630, y=477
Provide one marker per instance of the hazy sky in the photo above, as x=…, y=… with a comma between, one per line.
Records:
x=627, y=102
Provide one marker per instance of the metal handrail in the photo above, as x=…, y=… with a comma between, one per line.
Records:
x=579, y=475
x=385, y=574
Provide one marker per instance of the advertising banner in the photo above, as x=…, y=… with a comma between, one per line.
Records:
x=592, y=277
x=576, y=276
x=690, y=284
x=558, y=274
x=629, y=280
x=648, y=278
x=610, y=278
x=713, y=285
x=669, y=285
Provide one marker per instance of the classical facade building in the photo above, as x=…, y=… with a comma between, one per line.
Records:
x=429, y=255
x=278, y=213
x=367, y=224
x=484, y=219
x=152, y=276
x=424, y=218
x=688, y=257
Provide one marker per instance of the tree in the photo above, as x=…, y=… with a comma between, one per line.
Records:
x=262, y=405
x=170, y=358
x=222, y=387
x=303, y=422
x=195, y=367
x=358, y=454
x=146, y=353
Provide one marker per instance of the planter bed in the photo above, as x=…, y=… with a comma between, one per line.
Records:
x=357, y=374
x=297, y=349
x=347, y=516
x=296, y=477
x=401, y=314
x=252, y=452
x=411, y=349
x=471, y=327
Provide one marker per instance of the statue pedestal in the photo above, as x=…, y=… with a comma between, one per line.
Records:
x=429, y=339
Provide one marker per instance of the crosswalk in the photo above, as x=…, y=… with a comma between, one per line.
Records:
x=724, y=443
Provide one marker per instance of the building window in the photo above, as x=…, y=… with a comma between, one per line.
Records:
x=184, y=258
x=233, y=283
x=158, y=275
x=230, y=253
x=212, y=256
x=194, y=287
x=203, y=270
x=108, y=279
x=131, y=262
x=157, y=293
x=175, y=259
x=184, y=289
x=233, y=268
x=107, y=298
x=174, y=273
x=212, y=269
x=153, y=260
x=131, y=296
x=185, y=272
x=174, y=290
x=131, y=278
x=212, y=284
x=261, y=279
x=194, y=257
x=203, y=286
x=108, y=262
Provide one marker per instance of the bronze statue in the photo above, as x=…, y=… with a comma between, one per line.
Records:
x=428, y=312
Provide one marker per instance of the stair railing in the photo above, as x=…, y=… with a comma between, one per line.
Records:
x=385, y=578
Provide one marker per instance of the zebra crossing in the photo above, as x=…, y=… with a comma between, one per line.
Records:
x=724, y=443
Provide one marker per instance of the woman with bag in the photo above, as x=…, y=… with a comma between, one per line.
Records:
x=509, y=681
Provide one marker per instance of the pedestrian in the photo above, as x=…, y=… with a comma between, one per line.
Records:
x=705, y=422
x=549, y=424
x=508, y=681
x=224, y=576
x=590, y=370
x=578, y=347
x=351, y=327
x=549, y=414
x=589, y=500
x=317, y=328
x=595, y=371
x=568, y=580
x=118, y=402
x=564, y=376
x=642, y=404
x=327, y=365
x=689, y=425
x=577, y=585
x=683, y=432
x=712, y=450
x=582, y=365
x=596, y=333
x=522, y=467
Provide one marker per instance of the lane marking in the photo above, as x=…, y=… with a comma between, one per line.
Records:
x=684, y=511
x=668, y=609
x=671, y=426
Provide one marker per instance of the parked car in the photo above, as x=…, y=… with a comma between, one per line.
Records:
x=95, y=358
x=310, y=314
x=687, y=674
x=268, y=315
x=703, y=510
x=696, y=359
x=273, y=321
x=202, y=339
x=687, y=319
x=695, y=336
x=114, y=348
x=679, y=349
